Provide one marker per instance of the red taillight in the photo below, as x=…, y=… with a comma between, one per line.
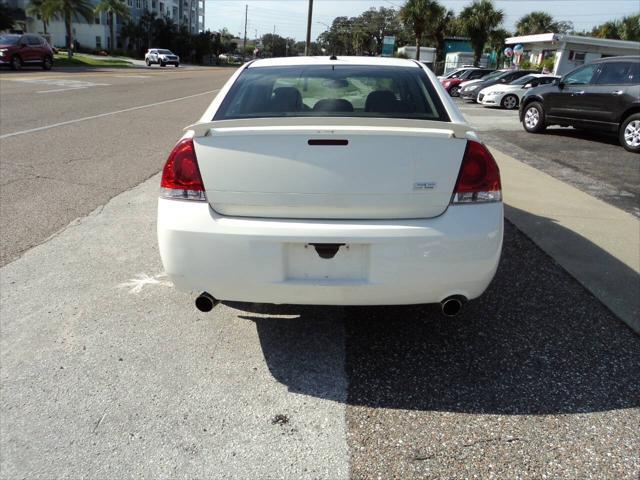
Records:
x=479, y=177
x=181, y=176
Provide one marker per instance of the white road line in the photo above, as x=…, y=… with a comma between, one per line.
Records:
x=92, y=117
x=61, y=90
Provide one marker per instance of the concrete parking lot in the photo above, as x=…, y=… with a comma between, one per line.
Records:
x=108, y=372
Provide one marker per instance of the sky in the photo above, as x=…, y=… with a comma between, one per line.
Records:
x=289, y=17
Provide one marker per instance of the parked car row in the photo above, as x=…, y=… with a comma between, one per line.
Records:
x=603, y=95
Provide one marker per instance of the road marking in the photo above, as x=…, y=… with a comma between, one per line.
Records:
x=58, y=82
x=100, y=115
x=131, y=76
x=61, y=90
x=142, y=279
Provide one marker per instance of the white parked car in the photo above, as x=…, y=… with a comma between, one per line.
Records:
x=348, y=181
x=162, y=57
x=509, y=95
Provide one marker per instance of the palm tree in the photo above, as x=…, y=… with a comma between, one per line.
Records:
x=478, y=20
x=44, y=10
x=442, y=23
x=540, y=22
x=416, y=14
x=71, y=10
x=113, y=8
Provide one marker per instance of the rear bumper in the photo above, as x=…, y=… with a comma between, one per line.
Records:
x=387, y=262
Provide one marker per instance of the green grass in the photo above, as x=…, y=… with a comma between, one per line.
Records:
x=79, y=60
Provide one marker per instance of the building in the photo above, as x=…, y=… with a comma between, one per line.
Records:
x=570, y=51
x=96, y=35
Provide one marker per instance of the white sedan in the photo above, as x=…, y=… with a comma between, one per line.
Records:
x=331, y=181
x=509, y=95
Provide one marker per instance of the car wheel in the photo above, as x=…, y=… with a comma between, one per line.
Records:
x=162, y=64
x=47, y=63
x=509, y=102
x=16, y=63
x=148, y=62
x=177, y=65
x=454, y=92
x=630, y=133
x=533, y=118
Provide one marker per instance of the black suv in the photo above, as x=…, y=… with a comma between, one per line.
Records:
x=603, y=95
x=471, y=92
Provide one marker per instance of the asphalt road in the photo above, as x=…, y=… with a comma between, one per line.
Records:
x=125, y=123
x=592, y=162
x=107, y=372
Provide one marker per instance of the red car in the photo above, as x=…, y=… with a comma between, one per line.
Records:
x=452, y=85
x=18, y=50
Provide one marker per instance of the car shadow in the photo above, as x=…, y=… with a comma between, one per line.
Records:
x=584, y=135
x=535, y=343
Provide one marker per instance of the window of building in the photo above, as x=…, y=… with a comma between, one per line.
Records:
x=97, y=19
x=138, y=4
x=130, y=3
x=161, y=7
x=577, y=57
x=154, y=4
x=98, y=41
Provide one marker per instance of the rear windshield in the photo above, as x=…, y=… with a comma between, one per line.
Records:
x=9, y=39
x=332, y=91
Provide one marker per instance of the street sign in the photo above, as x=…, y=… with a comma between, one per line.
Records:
x=388, y=44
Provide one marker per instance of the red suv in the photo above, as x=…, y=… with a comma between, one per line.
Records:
x=28, y=49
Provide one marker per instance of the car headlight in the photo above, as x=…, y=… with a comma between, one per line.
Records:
x=472, y=87
x=3, y=51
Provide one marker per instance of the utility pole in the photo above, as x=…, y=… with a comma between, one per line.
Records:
x=307, y=45
x=244, y=43
x=273, y=43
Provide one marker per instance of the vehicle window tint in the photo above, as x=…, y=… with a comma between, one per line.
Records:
x=34, y=40
x=618, y=73
x=524, y=80
x=581, y=76
x=476, y=74
x=9, y=39
x=330, y=91
x=546, y=80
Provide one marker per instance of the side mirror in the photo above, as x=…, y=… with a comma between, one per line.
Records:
x=561, y=85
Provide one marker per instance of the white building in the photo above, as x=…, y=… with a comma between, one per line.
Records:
x=96, y=35
x=570, y=51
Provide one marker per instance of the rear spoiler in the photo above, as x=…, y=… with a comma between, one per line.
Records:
x=452, y=130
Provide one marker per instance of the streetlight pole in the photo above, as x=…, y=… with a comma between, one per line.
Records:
x=244, y=43
x=307, y=45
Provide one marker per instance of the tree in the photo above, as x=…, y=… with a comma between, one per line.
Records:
x=43, y=9
x=541, y=22
x=496, y=41
x=379, y=24
x=415, y=14
x=6, y=19
x=478, y=21
x=441, y=24
x=112, y=8
x=628, y=28
x=71, y=10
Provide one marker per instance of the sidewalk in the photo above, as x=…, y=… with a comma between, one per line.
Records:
x=598, y=244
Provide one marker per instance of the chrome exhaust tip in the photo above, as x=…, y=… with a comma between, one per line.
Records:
x=452, y=306
x=205, y=302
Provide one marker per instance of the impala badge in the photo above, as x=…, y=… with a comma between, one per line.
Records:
x=424, y=185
